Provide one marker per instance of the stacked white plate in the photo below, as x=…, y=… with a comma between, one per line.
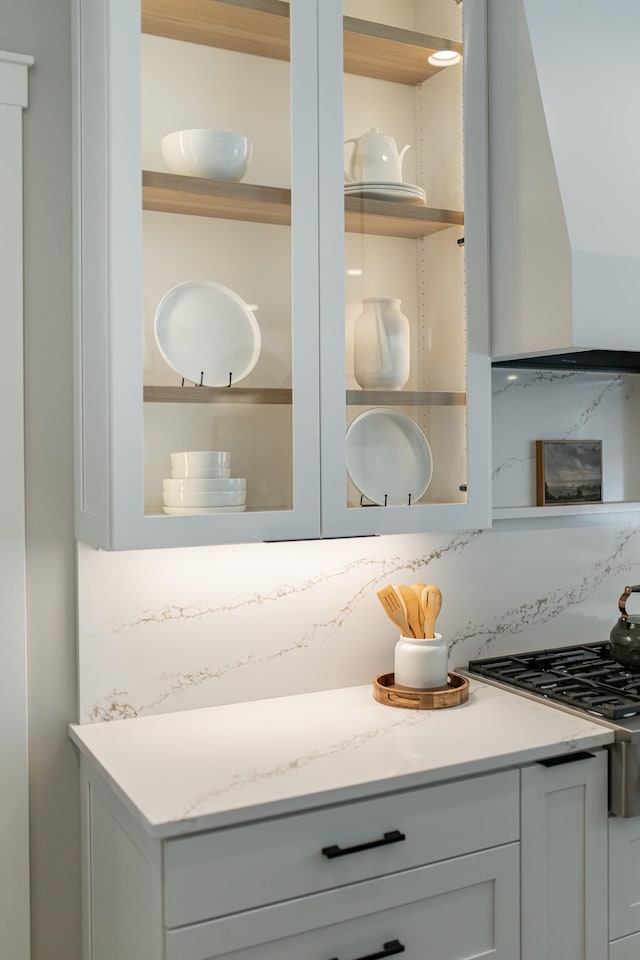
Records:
x=201, y=482
x=386, y=190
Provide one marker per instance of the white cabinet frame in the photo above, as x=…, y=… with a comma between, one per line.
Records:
x=14, y=788
x=109, y=435
x=108, y=364
x=337, y=518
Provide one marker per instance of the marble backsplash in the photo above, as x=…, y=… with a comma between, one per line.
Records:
x=165, y=630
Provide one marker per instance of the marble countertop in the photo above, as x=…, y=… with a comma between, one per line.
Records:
x=179, y=773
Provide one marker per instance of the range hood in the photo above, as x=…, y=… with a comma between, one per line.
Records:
x=564, y=108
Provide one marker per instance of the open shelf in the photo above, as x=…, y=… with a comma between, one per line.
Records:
x=276, y=395
x=261, y=27
x=569, y=510
x=194, y=196
x=192, y=394
x=404, y=398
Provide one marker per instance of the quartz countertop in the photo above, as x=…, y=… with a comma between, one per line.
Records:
x=180, y=773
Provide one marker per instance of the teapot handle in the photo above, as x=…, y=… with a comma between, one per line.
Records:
x=622, y=602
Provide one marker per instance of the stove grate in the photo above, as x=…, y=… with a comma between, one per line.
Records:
x=583, y=676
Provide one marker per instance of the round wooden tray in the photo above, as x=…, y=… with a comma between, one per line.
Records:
x=456, y=692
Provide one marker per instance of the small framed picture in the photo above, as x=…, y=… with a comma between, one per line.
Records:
x=568, y=471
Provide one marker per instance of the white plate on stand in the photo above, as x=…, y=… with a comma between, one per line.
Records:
x=388, y=456
x=207, y=333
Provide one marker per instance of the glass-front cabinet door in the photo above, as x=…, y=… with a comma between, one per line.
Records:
x=209, y=161
x=282, y=269
x=403, y=262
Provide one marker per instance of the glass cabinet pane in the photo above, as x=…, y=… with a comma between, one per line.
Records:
x=217, y=251
x=404, y=270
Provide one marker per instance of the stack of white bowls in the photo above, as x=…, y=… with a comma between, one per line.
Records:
x=201, y=482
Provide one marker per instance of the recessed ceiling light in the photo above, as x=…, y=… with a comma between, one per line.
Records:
x=444, y=58
x=354, y=272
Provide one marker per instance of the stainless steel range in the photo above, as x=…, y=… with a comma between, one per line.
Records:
x=583, y=679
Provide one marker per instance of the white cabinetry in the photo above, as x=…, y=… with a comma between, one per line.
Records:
x=351, y=880
x=282, y=239
x=504, y=865
x=624, y=886
x=564, y=849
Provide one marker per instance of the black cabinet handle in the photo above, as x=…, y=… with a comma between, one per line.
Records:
x=394, y=836
x=566, y=758
x=389, y=948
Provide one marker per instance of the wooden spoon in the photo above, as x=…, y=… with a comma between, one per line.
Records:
x=431, y=603
x=417, y=588
x=394, y=607
x=414, y=612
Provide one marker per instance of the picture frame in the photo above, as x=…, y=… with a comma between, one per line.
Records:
x=568, y=471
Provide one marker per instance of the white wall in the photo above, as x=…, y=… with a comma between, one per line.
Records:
x=43, y=30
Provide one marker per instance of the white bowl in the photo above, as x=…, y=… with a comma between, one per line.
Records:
x=200, y=459
x=195, y=474
x=190, y=511
x=219, y=154
x=204, y=486
x=220, y=498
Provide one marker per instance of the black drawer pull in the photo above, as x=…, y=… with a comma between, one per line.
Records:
x=389, y=948
x=566, y=758
x=394, y=836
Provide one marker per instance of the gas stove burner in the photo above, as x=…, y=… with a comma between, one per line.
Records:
x=584, y=676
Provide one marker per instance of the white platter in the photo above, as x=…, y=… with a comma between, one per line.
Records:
x=206, y=332
x=390, y=184
x=388, y=454
x=190, y=511
x=387, y=193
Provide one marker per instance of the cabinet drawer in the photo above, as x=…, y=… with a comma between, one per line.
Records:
x=624, y=876
x=468, y=907
x=212, y=874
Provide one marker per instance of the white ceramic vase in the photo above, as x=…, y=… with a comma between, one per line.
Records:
x=421, y=664
x=381, y=345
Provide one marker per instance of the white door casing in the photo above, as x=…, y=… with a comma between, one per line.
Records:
x=14, y=796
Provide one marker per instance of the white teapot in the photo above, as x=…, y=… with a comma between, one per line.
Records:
x=375, y=157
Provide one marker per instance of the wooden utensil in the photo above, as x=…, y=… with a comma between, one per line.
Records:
x=431, y=603
x=399, y=594
x=414, y=611
x=417, y=588
x=394, y=607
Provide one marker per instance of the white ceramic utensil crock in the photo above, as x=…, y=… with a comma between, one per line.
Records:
x=375, y=157
x=381, y=345
x=421, y=664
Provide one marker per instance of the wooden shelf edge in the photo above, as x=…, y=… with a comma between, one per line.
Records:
x=283, y=395
x=221, y=199
x=405, y=398
x=261, y=27
x=192, y=394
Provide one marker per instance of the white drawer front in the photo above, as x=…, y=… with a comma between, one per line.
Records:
x=213, y=874
x=468, y=907
x=624, y=876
